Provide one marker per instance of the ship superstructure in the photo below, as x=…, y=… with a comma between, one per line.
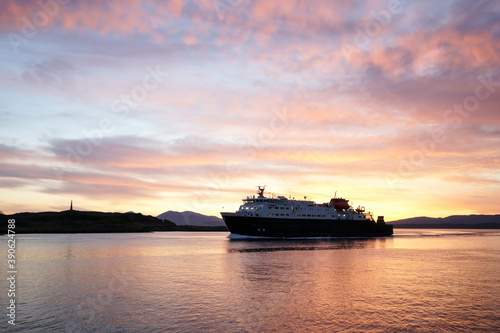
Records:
x=283, y=207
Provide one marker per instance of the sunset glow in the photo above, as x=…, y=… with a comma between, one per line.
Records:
x=150, y=106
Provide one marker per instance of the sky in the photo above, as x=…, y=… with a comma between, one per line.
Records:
x=150, y=106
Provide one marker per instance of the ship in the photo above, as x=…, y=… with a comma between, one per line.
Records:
x=282, y=217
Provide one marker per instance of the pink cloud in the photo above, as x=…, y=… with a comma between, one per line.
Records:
x=189, y=39
x=175, y=7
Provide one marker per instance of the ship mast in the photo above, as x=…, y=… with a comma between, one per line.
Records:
x=260, y=192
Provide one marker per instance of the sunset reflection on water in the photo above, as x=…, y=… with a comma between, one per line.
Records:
x=416, y=280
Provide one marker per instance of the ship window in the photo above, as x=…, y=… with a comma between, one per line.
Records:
x=308, y=215
x=282, y=214
x=270, y=214
x=287, y=214
x=323, y=215
x=282, y=207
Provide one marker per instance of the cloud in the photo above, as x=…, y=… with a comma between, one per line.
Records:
x=54, y=73
x=256, y=90
x=12, y=183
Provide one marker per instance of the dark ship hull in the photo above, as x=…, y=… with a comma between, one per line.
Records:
x=301, y=227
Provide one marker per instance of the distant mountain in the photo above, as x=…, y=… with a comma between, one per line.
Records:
x=454, y=221
x=191, y=218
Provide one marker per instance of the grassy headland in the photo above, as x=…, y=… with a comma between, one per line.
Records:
x=74, y=221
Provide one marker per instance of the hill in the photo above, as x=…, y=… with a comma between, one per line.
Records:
x=73, y=221
x=189, y=218
x=454, y=221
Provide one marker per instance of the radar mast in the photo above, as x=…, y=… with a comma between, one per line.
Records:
x=260, y=192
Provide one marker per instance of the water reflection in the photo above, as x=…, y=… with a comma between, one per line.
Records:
x=407, y=283
x=189, y=282
x=286, y=282
x=261, y=245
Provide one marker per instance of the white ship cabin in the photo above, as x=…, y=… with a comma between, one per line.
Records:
x=283, y=207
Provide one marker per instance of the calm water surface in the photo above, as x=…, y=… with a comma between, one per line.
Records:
x=419, y=280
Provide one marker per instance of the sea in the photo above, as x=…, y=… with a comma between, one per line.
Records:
x=419, y=280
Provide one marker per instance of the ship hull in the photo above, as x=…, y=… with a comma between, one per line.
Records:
x=293, y=227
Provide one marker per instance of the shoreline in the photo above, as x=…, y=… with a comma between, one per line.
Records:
x=73, y=221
